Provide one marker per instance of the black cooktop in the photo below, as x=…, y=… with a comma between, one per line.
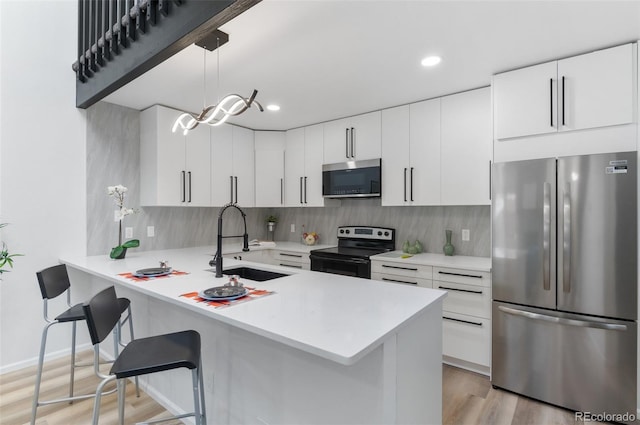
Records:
x=359, y=242
x=337, y=251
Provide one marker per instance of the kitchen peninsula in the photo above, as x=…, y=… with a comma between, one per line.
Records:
x=321, y=349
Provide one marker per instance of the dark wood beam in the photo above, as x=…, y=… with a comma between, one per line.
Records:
x=187, y=23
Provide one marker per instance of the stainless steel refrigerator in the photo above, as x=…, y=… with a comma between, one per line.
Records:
x=564, y=273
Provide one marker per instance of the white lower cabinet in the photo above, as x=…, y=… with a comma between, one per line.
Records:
x=292, y=259
x=408, y=274
x=466, y=310
x=254, y=256
x=466, y=317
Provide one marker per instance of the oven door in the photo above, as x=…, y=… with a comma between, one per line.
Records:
x=347, y=266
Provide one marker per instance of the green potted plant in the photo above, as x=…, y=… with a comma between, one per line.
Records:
x=118, y=192
x=6, y=258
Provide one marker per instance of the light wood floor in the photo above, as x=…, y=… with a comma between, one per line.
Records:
x=468, y=398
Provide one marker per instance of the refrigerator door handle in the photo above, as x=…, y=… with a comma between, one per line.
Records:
x=566, y=239
x=546, y=241
x=562, y=320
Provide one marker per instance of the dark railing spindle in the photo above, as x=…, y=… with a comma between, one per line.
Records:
x=152, y=11
x=141, y=18
x=98, y=32
x=122, y=21
x=113, y=26
x=80, y=69
x=86, y=41
x=106, y=51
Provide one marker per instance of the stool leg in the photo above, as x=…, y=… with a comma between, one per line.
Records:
x=203, y=407
x=195, y=376
x=122, y=389
x=132, y=338
x=73, y=360
x=36, y=391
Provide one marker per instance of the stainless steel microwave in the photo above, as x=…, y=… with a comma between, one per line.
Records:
x=352, y=179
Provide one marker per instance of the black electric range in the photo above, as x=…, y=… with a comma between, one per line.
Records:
x=355, y=245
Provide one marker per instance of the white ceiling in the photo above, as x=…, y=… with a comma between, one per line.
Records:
x=321, y=60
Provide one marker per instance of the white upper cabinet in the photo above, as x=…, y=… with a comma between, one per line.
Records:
x=269, y=160
x=465, y=148
x=232, y=162
x=352, y=139
x=525, y=101
x=303, y=167
x=596, y=89
x=411, y=154
x=174, y=169
x=424, y=171
x=582, y=92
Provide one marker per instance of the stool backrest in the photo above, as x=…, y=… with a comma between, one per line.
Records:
x=53, y=281
x=102, y=313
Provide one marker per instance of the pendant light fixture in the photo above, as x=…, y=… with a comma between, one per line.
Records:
x=230, y=105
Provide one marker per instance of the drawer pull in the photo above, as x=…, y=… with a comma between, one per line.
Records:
x=399, y=281
x=290, y=255
x=460, y=290
x=461, y=274
x=400, y=268
x=290, y=265
x=463, y=321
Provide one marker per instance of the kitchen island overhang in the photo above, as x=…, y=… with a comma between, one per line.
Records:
x=366, y=351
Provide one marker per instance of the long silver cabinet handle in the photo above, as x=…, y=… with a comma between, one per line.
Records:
x=184, y=188
x=400, y=268
x=398, y=281
x=562, y=320
x=566, y=239
x=546, y=237
x=468, y=322
x=460, y=274
x=231, y=189
x=460, y=290
x=290, y=255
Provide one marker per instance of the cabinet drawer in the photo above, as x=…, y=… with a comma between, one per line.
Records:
x=293, y=265
x=291, y=257
x=406, y=280
x=466, y=299
x=466, y=338
x=466, y=277
x=400, y=269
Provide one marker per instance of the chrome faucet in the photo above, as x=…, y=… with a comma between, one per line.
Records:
x=217, y=260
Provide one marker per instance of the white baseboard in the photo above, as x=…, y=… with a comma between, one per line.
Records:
x=473, y=367
x=47, y=357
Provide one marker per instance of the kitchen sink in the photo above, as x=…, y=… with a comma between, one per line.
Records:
x=253, y=274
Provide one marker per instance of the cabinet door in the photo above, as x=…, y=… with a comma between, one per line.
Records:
x=597, y=89
x=525, y=101
x=313, y=147
x=270, y=168
x=162, y=158
x=243, y=167
x=221, y=164
x=336, y=144
x=395, y=155
x=424, y=134
x=366, y=135
x=465, y=144
x=198, y=167
x=294, y=167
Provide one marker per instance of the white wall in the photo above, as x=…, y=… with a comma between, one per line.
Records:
x=42, y=165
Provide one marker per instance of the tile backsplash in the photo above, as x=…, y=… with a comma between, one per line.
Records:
x=113, y=155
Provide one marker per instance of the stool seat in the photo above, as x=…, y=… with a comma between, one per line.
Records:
x=73, y=314
x=158, y=353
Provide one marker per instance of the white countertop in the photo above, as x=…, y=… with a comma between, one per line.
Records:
x=336, y=317
x=437, y=260
x=279, y=245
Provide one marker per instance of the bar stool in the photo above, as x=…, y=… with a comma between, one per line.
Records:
x=143, y=356
x=53, y=282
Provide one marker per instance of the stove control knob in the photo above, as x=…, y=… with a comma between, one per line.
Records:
x=379, y=233
x=348, y=231
x=386, y=233
x=341, y=230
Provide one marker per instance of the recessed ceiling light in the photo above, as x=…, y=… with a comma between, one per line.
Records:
x=273, y=107
x=431, y=60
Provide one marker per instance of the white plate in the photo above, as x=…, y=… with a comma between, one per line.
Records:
x=202, y=294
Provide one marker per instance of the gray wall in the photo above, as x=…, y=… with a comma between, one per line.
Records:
x=113, y=155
